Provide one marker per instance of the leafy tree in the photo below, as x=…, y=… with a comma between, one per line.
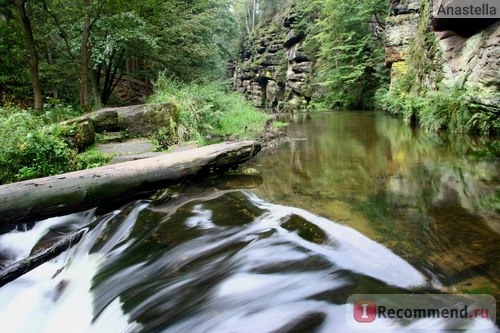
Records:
x=115, y=38
x=255, y=12
x=23, y=10
x=350, y=54
x=193, y=38
x=91, y=43
x=14, y=77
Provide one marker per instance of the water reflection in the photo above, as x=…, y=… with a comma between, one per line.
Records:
x=429, y=198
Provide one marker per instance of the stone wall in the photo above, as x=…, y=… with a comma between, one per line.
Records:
x=462, y=53
x=273, y=71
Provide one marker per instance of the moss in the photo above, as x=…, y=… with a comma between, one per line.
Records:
x=424, y=58
x=305, y=229
x=399, y=69
x=93, y=158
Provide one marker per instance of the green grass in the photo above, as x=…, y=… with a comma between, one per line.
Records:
x=29, y=150
x=208, y=112
x=36, y=145
x=280, y=124
x=93, y=158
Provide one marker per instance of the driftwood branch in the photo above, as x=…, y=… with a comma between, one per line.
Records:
x=23, y=266
x=112, y=184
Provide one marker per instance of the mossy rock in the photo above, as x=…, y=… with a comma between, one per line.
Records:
x=81, y=134
x=305, y=229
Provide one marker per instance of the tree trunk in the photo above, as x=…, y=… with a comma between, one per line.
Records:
x=50, y=61
x=111, y=79
x=96, y=86
x=85, y=58
x=33, y=55
x=113, y=184
x=254, y=10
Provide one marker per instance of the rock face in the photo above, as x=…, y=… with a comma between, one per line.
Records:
x=474, y=62
x=454, y=52
x=273, y=70
x=400, y=31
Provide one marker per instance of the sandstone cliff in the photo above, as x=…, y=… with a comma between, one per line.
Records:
x=461, y=53
x=273, y=71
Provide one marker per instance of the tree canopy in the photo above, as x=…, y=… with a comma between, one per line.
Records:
x=348, y=43
x=79, y=50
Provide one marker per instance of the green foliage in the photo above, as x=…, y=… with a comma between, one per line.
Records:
x=420, y=95
x=444, y=108
x=280, y=124
x=398, y=102
x=486, y=122
x=492, y=202
x=55, y=111
x=165, y=137
x=93, y=158
x=14, y=78
x=30, y=151
x=424, y=58
x=194, y=39
x=253, y=14
x=350, y=57
x=123, y=31
x=35, y=145
x=207, y=112
x=188, y=40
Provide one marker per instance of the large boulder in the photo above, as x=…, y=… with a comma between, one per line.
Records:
x=143, y=120
x=135, y=120
x=104, y=120
x=80, y=134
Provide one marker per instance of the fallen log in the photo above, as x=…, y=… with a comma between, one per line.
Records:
x=109, y=185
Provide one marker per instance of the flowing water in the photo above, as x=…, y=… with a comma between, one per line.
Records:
x=352, y=203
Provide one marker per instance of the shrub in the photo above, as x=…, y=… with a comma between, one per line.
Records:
x=30, y=151
x=207, y=112
x=56, y=112
x=93, y=158
x=444, y=108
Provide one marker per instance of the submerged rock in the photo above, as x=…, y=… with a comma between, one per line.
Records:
x=305, y=229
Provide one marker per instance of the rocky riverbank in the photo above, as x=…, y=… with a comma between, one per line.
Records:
x=126, y=132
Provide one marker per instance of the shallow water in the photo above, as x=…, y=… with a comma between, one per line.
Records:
x=434, y=200
x=353, y=203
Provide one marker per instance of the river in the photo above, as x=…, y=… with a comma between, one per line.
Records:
x=351, y=203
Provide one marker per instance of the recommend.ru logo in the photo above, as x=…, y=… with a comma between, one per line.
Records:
x=376, y=311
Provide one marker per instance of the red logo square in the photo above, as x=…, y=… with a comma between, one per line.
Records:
x=365, y=311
